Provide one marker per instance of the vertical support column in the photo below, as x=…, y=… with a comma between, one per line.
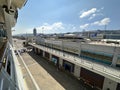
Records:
x=35, y=50
x=109, y=84
x=8, y=27
x=38, y=51
x=115, y=56
x=43, y=53
x=60, y=62
x=79, y=51
x=8, y=3
x=77, y=70
x=9, y=35
x=50, y=57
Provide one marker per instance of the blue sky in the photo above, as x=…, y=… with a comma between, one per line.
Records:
x=59, y=16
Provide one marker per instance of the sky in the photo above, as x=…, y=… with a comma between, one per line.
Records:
x=61, y=16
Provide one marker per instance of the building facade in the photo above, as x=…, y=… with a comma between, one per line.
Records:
x=97, y=65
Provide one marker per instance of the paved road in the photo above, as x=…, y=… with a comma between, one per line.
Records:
x=46, y=74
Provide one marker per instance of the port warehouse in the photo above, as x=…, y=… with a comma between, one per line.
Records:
x=102, y=54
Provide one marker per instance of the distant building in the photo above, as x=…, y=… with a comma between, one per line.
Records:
x=34, y=32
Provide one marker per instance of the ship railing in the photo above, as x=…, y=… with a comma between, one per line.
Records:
x=2, y=60
x=107, y=71
x=9, y=73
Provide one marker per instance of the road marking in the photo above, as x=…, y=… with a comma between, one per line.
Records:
x=36, y=85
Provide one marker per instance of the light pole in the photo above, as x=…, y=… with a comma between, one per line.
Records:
x=63, y=47
x=26, y=37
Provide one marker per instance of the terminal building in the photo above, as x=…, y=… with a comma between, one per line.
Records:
x=95, y=63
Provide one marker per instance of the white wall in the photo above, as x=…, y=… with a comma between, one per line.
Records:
x=109, y=84
x=98, y=48
x=60, y=62
x=77, y=71
x=115, y=56
x=50, y=57
x=43, y=54
x=35, y=50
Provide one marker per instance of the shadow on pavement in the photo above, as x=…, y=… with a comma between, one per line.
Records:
x=66, y=80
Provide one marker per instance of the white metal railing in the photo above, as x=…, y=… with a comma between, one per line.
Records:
x=6, y=78
x=100, y=68
x=9, y=81
x=3, y=55
x=18, y=72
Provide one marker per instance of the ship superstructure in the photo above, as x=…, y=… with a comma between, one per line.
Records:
x=9, y=71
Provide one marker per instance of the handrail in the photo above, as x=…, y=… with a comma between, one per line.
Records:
x=11, y=81
x=3, y=71
x=20, y=86
x=1, y=62
x=4, y=52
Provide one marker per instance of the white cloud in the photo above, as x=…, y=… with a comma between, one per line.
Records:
x=57, y=27
x=102, y=22
x=54, y=26
x=87, y=13
x=84, y=26
x=91, y=17
x=99, y=10
x=73, y=28
x=92, y=13
x=95, y=15
x=105, y=21
x=102, y=8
